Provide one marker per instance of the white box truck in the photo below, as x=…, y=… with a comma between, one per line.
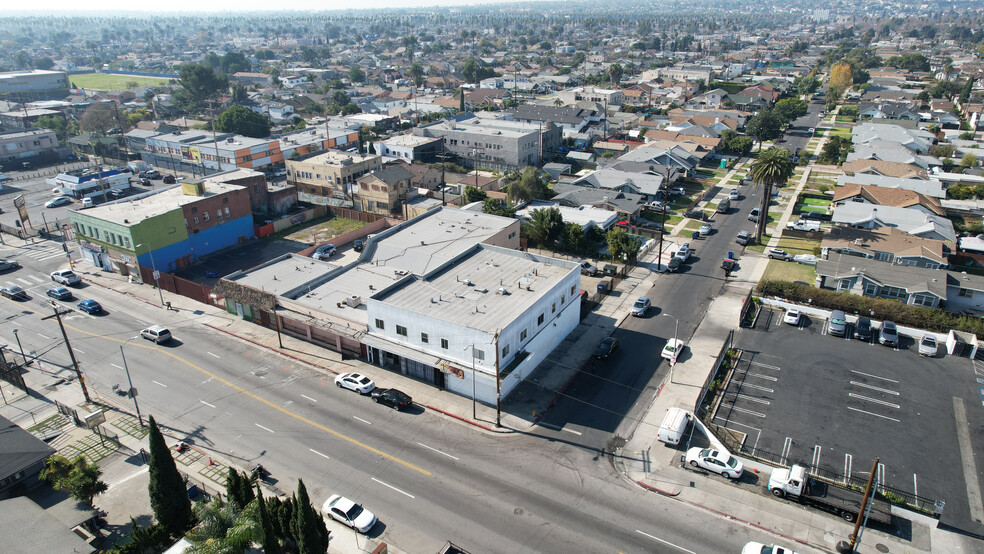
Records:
x=673, y=426
x=796, y=483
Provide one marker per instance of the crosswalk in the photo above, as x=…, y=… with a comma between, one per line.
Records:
x=26, y=281
x=40, y=251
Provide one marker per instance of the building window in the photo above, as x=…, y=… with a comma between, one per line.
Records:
x=923, y=300
x=871, y=289
x=512, y=235
x=893, y=292
x=126, y=242
x=196, y=220
x=478, y=354
x=539, y=320
x=966, y=293
x=401, y=330
x=522, y=335
x=226, y=200
x=423, y=338
x=444, y=344
x=572, y=290
x=205, y=216
x=505, y=351
x=380, y=325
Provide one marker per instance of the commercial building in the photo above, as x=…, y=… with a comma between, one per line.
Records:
x=37, y=84
x=494, y=143
x=410, y=148
x=330, y=173
x=164, y=229
x=201, y=152
x=34, y=146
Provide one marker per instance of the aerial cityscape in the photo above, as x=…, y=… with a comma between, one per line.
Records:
x=521, y=277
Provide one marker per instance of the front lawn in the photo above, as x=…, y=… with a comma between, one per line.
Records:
x=797, y=245
x=789, y=271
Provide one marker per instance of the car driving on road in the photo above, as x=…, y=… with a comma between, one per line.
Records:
x=66, y=277
x=59, y=293
x=641, y=306
x=58, y=201
x=89, y=306
x=14, y=292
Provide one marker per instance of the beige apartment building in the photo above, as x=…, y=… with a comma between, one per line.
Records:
x=331, y=172
x=384, y=191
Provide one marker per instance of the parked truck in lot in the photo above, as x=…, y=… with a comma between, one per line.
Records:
x=795, y=483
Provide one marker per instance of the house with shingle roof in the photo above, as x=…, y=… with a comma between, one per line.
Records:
x=884, y=168
x=912, y=221
x=892, y=152
x=888, y=110
x=885, y=196
x=886, y=244
x=914, y=139
x=931, y=188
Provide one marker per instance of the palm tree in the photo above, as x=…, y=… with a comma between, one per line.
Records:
x=772, y=167
x=545, y=226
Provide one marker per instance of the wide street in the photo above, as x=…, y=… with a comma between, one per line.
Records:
x=428, y=478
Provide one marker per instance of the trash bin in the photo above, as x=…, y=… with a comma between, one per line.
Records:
x=604, y=286
x=724, y=164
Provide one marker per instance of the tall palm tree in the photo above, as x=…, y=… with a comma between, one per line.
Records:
x=773, y=167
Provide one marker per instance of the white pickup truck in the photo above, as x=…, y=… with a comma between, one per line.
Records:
x=803, y=225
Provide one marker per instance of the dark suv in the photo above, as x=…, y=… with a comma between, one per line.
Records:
x=862, y=329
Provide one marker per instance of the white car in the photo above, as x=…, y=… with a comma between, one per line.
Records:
x=656, y=205
x=733, y=195
x=349, y=513
x=805, y=259
x=641, y=306
x=355, y=381
x=715, y=460
x=678, y=190
x=672, y=349
x=58, y=201
x=704, y=230
x=683, y=254
x=66, y=277
x=759, y=548
x=792, y=317
x=928, y=346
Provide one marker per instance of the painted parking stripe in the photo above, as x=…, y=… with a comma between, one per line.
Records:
x=882, y=402
x=848, y=467
x=753, y=399
x=874, y=376
x=760, y=364
x=757, y=387
x=876, y=415
x=786, y=446
x=872, y=387
x=760, y=376
x=749, y=412
x=816, y=457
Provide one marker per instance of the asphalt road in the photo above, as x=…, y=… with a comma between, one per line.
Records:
x=427, y=478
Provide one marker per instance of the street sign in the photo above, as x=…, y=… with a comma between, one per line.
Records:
x=95, y=418
x=157, y=275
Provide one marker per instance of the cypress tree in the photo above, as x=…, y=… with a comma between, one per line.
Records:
x=245, y=489
x=168, y=495
x=233, y=488
x=308, y=538
x=270, y=545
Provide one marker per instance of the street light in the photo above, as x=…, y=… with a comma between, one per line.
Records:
x=676, y=346
x=156, y=274
x=132, y=392
x=20, y=346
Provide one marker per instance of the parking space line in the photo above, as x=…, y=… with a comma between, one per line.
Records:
x=874, y=414
x=749, y=412
x=915, y=485
x=757, y=387
x=848, y=467
x=881, y=476
x=753, y=399
x=882, y=402
x=872, y=387
x=760, y=364
x=816, y=457
x=786, y=445
x=874, y=376
x=760, y=376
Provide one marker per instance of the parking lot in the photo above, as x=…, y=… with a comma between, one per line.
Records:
x=803, y=396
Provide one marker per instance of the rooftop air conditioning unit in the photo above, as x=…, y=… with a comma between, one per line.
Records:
x=353, y=301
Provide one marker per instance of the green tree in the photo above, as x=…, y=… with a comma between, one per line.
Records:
x=56, y=123
x=764, y=126
x=270, y=544
x=410, y=42
x=198, y=84
x=771, y=168
x=154, y=538
x=244, y=121
x=43, y=62
x=789, y=109
x=470, y=71
x=350, y=108
x=356, y=75
x=239, y=93
x=168, y=496
x=416, y=74
x=494, y=206
x=807, y=84
x=98, y=118
x=968, y=160
x=615, y=72
x=574, y=238
x=77, y=477
x=622, y=245
x=473, y=194
x=309, y=539
x=545, y=226
x=525, y=186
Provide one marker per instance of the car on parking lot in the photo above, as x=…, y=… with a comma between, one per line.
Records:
x=672, y=349
x=673, y=265
x=59, y=293
x=695, y=214
x=705, y=230
x=143, y=181
x=780, y=254
x=66, y=277
x=153, y=174
x=156, y=333
x=792, y=317
x=324, y=252
x=7, y=265
x=743, y=238
x=349, y=513
x=89, y=306
x=888, y=334
x=58, y=201
x=359, y=245
x=14, y=292
x=606, y=348
x=862, y=329
x=734, y=194
x=715, y=460
x=169, y=180
x=928, y=346
x=838, y=323
x=355, y=382
x=759, y=548
x=392, y=397
x=641, y=306
x=805, y=259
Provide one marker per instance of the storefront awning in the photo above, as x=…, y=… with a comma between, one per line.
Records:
x=401, y=350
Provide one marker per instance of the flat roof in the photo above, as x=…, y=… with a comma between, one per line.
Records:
x=284, y=274
x=468, y=293
x=337, y=158
x=134, y=210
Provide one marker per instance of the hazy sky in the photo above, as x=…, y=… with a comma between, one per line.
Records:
x=58, y=7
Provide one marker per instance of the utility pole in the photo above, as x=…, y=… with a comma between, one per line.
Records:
x=71, y=353
x=131, y=391
x=862, y=512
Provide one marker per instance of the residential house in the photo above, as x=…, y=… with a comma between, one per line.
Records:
x=33, y=147
x=384, y=191
x=886, y=196
x=888, y=110
x=892, y=152
x=570, y=120
x=486, y=98
x=677, y=158
x=22, y=457
x=586, y=216
x=913, y=221
x=591, y=94
x=330, y=173
x=639, y=178
x=886, y=244
x=626, y=205
x=884, y=168
x=914, y=139
x=932, y=188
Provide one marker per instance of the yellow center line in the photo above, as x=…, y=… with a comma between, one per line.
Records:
x=241, y=390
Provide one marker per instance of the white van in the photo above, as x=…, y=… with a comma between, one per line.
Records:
x=86, y=202
x=673, y=426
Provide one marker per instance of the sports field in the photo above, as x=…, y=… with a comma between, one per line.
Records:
x=112, y=81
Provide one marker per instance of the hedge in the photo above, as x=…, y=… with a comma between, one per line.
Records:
x=931, y=319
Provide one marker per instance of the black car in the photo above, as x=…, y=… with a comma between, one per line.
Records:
x=862, y=329
x=606, y=348
x=392, y=397
x=59, y=293
x=816, y=216
x=674, y=265
x=169, y=180
x=695, y=214
x=359, y=245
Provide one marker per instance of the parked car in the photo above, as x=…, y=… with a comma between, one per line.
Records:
x=656, y=205
x=816, y=216
x=58, y=201
x=715, y=460
x=734, y=194
x=928, y=346
x=355, y=382
x=728, y=264
x=587, y=268
x=674, y=265
x=805, y=259
x=705, y=230
x=153, y=174
x=780, y=254
x=889, y=334
x=14, y=292
x=66, y=277
x=394, y=398
x=862, y=329
x=696, y=214
x=359, y=245
x=7, y=265
x=641, y=306
x=156, y=333
x=759, y=548
x=143, y=181
x=169, y=180
x=606, y=348
x=792, y=317
x=684, y=252
x=754, y=215
x=89, y=306
x=838, y=323
x=743, y=238
x=678, y=190
x=672, y=349
x=324, y=252
x=349, y=513
x=59, y=293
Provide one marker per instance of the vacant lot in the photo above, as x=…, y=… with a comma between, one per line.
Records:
x=323, y=230
x=112, y=81
x=789, y=271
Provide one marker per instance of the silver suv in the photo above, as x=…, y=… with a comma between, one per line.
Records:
x=156, y=333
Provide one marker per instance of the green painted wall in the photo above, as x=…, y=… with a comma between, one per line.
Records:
x=152, y=233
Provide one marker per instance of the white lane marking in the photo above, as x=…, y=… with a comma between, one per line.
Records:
x=848, y=467
x=875, y=376
x=438, y=451
x=26, y=282
x=309, y=398
x=760, y=364
x=362, y=420
x=665, y=542
x=392, y=487
x=760, y=376
x=210, y=354
x=915, y=486
x=816, y=457
x=264, y=428
x=786, y=445
x=876, y=415
x=753, y=399
x=79, y=351
x=319, y=453
x=744, y=411
x=36, y=279
x=116, y=366
x=757, y=387
x=882, y=402
x=207, y=404
x=45, y=336
x=872, y=387
x=159, y=383
x=578, y=433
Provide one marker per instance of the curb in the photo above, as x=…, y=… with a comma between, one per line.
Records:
x=459, y=418
x=657, y=490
